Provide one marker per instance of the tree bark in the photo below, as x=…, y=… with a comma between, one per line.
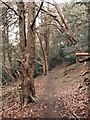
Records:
x=6, y=45
x=44, y=41
x=28, y=57
x=22, y=29
x=28, y=53
x=46, y=46
x=3, y=48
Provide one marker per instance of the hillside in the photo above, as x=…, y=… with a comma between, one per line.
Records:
x=62, y=93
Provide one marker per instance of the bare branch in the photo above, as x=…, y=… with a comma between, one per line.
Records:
x=38, y=62
x=38, y=55
x=10, y=8
x=81, y=3
x=37, y=13
x=54, y=16
x=70, y=38
x=50, y=24
x=4, y=12
x=49, y=3
x=59, y=10
x=12, y=78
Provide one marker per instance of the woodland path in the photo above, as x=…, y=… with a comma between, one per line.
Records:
x=59, y=88
x=62, y=93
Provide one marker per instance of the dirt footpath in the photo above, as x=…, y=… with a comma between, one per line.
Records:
x=62, y=93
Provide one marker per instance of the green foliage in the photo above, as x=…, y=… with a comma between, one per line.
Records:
x=37, y=70
x=5, y=77
x=15, y=67
x=57, y=59
x=71, y=59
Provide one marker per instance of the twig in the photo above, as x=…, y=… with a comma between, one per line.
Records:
x=4, y=12
x=5, y=81
x=84, y=73
x=77, y=117
x=9, y=73
x=49, y=24
x=38, y=55
x=38, y=62
x=49, y=3
x=47, y=12
x=8, y=67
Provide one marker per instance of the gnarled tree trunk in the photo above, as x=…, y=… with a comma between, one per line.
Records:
x=27, y=53
x=30, y=54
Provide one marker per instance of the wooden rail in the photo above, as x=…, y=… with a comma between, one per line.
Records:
x=82, y=54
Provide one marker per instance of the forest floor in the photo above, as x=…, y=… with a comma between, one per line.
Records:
x=62, y=93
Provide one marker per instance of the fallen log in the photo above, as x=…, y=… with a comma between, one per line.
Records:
x=82, y=54
x=84, y=59
x=83, y=73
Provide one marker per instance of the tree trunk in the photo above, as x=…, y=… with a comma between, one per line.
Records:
x=46, y=39
x=3, y=48
x=27, y=52
x=43, y=55
x=8, y=47
x=30, y=54
x=22, y=29
x=6, y=44
x=22, y=34
x=89, y=61
x=3, y=39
